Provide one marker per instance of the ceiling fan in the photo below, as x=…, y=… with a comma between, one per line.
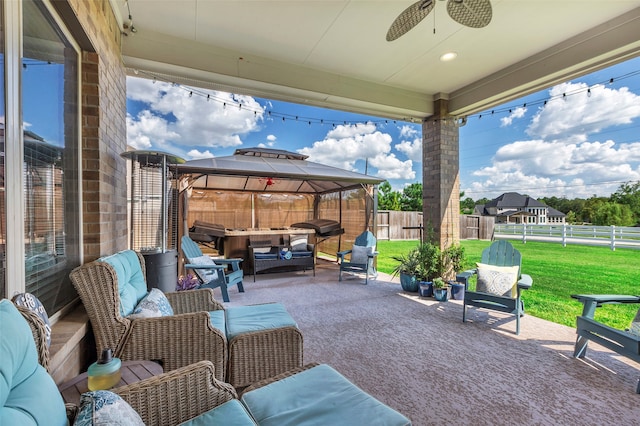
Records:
x=470, y=13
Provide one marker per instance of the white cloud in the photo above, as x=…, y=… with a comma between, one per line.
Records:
x=407, y=131
x=412, y=149
x=541, y=168
x=173, y=116
x=516, y=113
x=195, y=154
x=147, y=130
x=577, y=115
x=346, y=144
x=390, y=167
x=562, y=158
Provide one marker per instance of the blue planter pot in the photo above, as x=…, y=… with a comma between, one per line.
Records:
x=426, y=288
x=457, y=291
x=408, y=283
x=441, y=294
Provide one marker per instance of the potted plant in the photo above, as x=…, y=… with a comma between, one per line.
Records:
x=407, y=269
x=440, y=289
x=453, y=260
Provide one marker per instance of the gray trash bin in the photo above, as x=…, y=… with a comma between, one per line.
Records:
x=161, y=269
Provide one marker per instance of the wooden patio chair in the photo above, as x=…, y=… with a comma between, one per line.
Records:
x=623, y=342
x=212, y=273
x=500, y=282
x=361, y=259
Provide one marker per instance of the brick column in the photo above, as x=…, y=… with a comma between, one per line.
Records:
x=440, y=176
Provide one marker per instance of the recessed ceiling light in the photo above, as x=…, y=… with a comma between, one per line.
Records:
x=449, y=56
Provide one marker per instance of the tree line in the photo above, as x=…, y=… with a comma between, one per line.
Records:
x=622, y=208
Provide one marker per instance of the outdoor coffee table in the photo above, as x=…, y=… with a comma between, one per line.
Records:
x=131, y=372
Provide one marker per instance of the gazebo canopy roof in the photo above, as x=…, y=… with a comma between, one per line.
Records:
x=270, y=170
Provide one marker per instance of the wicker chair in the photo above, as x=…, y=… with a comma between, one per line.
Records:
x=166, y=399
x=183, y=394
x=241, y=349
x=174, y=341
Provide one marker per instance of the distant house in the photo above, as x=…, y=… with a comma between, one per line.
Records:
x=512, y=207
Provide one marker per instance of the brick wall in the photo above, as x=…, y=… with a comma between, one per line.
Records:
x=104, y=137
x=440, y=176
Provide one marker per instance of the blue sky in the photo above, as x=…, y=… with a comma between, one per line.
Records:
x=576, y=139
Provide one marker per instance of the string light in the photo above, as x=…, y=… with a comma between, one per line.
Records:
x=458, y=121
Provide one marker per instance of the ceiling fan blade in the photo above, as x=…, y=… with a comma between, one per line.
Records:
x=409, y=18
x=470, y=13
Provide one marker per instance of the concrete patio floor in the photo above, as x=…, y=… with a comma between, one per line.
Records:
x=417, y=356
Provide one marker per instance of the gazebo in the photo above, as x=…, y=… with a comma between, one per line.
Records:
x=260, y=189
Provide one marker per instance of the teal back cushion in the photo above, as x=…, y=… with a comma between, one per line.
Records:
x=28, y=395
x=131, y=284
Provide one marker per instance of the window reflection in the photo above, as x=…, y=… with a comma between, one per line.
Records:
x=3, y=216
x=49, y=93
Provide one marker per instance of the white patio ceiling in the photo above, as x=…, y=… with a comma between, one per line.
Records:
x=333, y=53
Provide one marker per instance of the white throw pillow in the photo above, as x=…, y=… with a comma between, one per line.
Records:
x=206, y=275
x=499, y=280
x=298, y=243
x=360, y=254
x=262, y=250
x=154, y=304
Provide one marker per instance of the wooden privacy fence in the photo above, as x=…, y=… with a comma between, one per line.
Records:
x=398, y=225
x=474, y=227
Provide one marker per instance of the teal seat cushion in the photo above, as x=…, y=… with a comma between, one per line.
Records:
x=218, y=321
x=315, y=397
x=131, y=284
x=28, y=395
x=246, y=319
x=265, y=255
x=231, y=413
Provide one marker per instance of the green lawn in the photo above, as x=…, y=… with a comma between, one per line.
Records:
x=558, y=272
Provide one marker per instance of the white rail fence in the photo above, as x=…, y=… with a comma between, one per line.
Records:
x=612, y=236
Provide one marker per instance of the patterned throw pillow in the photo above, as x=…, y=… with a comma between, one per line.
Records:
x=635, y=325
x=298, y=242
x=360, y=254
x=499, y=280
x=29, y=301
x=206, y=275
x=154, y=304
x=102, y=408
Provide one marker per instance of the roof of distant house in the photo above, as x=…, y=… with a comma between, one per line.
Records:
x=513, y=202
x=513, y=199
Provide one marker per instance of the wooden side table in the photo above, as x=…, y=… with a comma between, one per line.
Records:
x=131, y=372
